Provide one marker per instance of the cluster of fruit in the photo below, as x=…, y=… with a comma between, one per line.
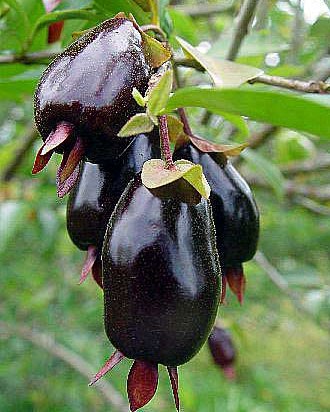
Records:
x=156, y=253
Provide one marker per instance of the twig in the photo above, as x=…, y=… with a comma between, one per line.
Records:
x=321, y=193
x=259, y=138
x=311, y=86
x=47, y=343
x=297, y=28
x=321, y=162
x=205, y=10
x=292, y=188
x=312, y=206
x=19, y=155
x=28, y=58
x=241, y=29
x=281, y=283
x=298, y=85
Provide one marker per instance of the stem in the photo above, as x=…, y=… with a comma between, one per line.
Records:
x=299, y=85
x=241, y=30
x=155, y=29
x=311, y=86
x=165, y=142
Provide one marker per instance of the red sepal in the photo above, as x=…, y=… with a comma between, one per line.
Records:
x=114, y=359
x=71, y=161
x=236, y=281
x=41, y=161
x=91, y=256
x=57, y=137
x=173, y=373
x=142, y=383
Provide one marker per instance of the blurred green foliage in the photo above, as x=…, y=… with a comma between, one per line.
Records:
x=283, y=353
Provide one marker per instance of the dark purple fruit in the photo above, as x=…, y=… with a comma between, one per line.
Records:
x=161, y=282
x=223, y=351
x=97, y=191
x=88, y=88
x=235, y=212
x=161, y=276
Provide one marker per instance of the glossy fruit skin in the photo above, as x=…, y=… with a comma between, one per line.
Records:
x=161, y=276
x=90, y=85
x=235, y=212
x=99, y=188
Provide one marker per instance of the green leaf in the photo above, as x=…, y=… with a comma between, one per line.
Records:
x=183, y=25
x=155, y=174
x=308, y=114
x=224, y=73
x=110, y=8
x=140, y=100
x=160, y=93
x=62, y=15
x=267, y=170
x=155, y=52
x=239, y=122
x=140, y=123
x=196, y=178
x=144, y=4
x=16, y=90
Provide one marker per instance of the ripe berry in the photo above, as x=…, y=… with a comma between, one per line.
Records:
x=95, y=195
x=85, y=96
x=161, y=280
x=235, y=213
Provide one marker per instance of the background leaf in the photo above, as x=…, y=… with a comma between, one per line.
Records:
x=224, y=73
x=278, y=108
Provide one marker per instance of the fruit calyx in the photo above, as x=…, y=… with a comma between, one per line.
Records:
x=142, y=380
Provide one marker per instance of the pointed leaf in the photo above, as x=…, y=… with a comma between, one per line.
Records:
x=92, y=253
x=224, y=73
x=278, y=108
x=137, y=96
x=208, y=147
x=155, y=52
x=160, y=93
x=140, y=123
x=115, y=358
x=141, y=384
x=155, y=174
x=197, y=179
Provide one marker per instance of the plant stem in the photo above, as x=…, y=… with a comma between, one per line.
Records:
x=241, y=29
x=155, y=29
x=165, y=142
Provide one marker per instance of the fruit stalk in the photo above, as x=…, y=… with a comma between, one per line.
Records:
x=165, y=142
